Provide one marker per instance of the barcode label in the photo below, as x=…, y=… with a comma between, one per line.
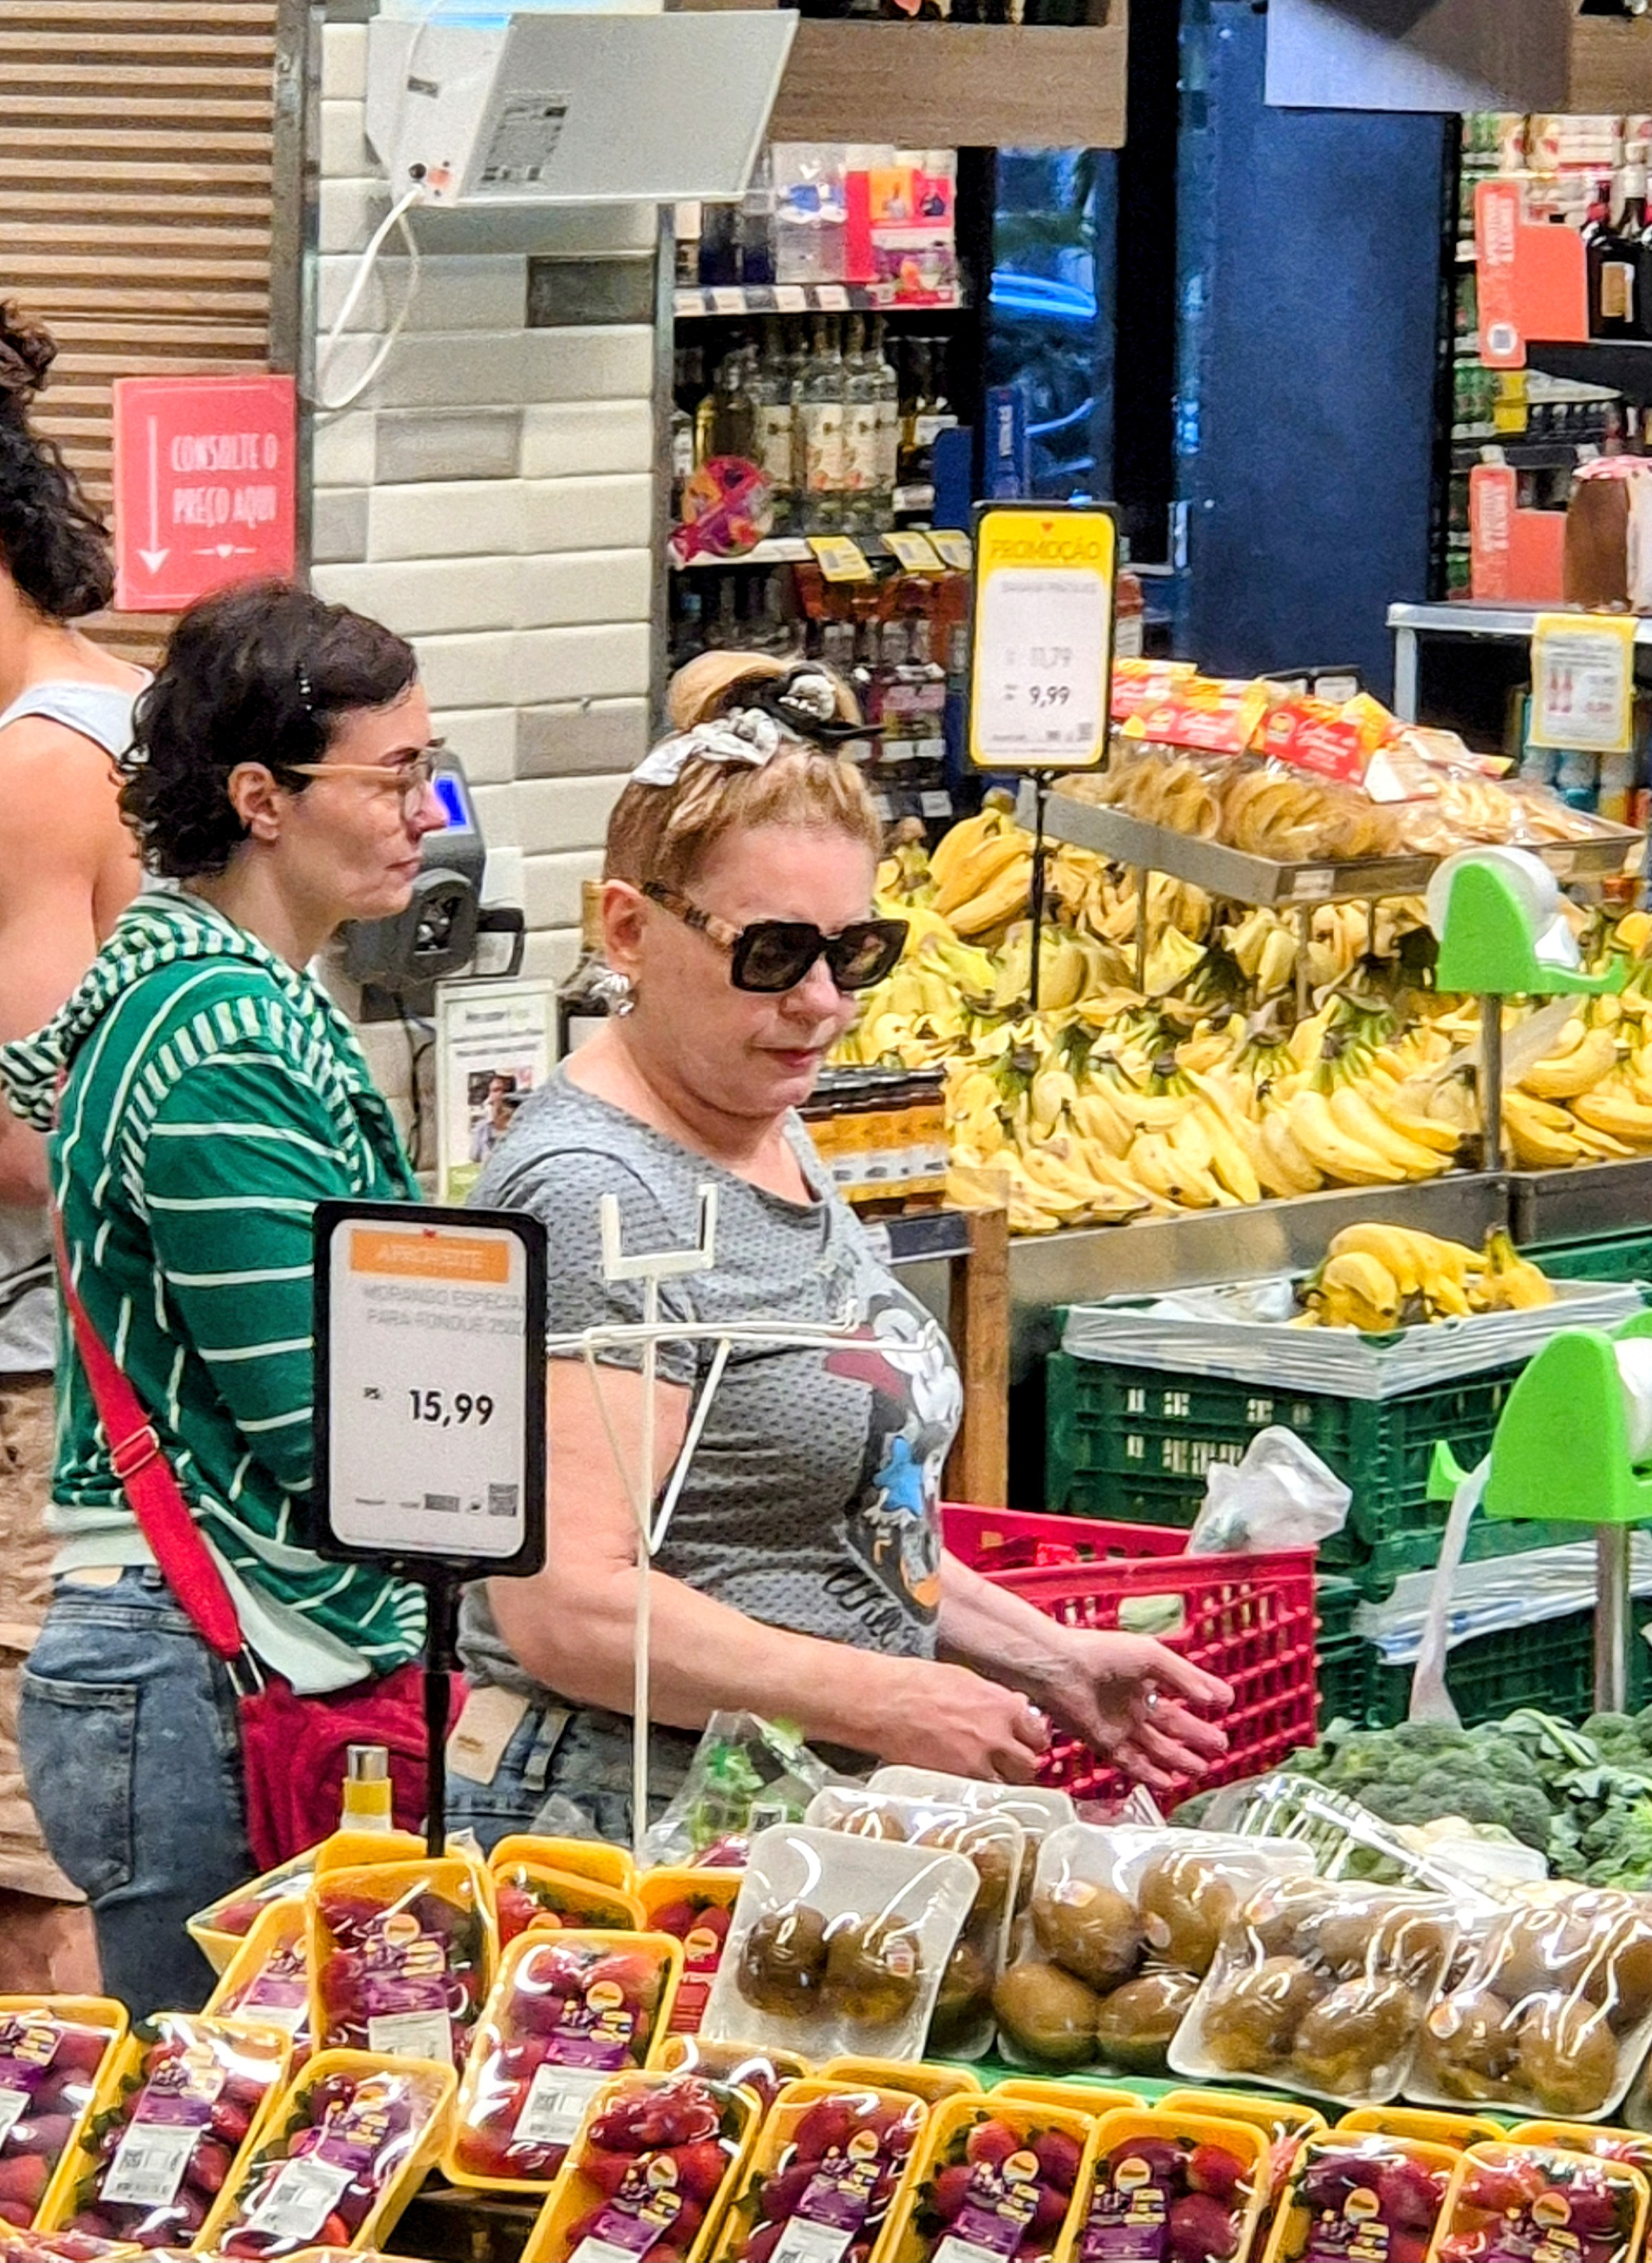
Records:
x=412, y=2034
x=603, y=2251
x=803, y=2242
x=505, y=1500
x=149, y=2165
x=301, y=2196
x=557, y=2097
x=14, y=2104
x=441, y=1504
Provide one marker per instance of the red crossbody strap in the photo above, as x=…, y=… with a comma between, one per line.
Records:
x=146, y=1479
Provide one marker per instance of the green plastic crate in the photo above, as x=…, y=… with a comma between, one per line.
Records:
x=1611, y=1257
x=1335, y=1603
x=1551, y=1665
x=1135, y=1445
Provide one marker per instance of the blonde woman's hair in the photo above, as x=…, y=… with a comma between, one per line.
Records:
x=665, y=833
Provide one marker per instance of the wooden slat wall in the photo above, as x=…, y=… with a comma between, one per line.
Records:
x=135, y=143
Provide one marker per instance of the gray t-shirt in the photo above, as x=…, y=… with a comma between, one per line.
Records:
x=812, y=1499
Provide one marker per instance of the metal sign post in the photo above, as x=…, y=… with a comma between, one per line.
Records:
x=430, y=1413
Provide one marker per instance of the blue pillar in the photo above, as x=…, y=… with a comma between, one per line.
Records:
x=1309, y=338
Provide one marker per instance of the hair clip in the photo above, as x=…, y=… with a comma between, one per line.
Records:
x=304, y=690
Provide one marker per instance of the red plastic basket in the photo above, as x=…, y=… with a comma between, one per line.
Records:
x=1249, y=1619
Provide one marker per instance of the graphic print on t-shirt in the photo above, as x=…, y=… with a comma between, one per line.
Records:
x=893, y=1522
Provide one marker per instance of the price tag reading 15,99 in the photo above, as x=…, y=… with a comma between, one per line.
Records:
x=430, y=1412
x=1042, y=667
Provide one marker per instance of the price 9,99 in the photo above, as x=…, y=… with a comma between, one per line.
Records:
x=445, y=1409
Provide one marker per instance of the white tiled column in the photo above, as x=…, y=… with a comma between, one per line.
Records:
x=492, y=495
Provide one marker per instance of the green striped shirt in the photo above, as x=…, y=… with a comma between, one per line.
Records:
x=212, y=1096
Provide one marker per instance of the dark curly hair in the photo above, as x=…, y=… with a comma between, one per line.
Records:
x=52, y=542
x=260, y=672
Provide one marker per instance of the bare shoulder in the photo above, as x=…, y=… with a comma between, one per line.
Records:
x=57, y=786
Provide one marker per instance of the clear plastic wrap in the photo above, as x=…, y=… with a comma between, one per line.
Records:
x=53, y=2050
x=1550, y=2014
x=178, y=2106
x=1510, y=2203
x=1283, y=2122
x=1038, y=1811
x=1123, y=1924
x=996, y=2182
x=746, y=1774
x=838, y=1944
x=762, y=2074
x=649, y=2173
x=1164, y=2187
x=569, y=2011
x=344, y=2152
x=697, y=1908
x=1356, y=2196
x=1320, y=1988
x=536, y=1896
x=961, y=2026
x=267, y=1979
x=402, y=1957
x=831, y=2162
x=931, y=2084
x=220, y=1929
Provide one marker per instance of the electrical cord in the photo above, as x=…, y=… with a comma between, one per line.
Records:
x=416, y=1054
x=396, y=217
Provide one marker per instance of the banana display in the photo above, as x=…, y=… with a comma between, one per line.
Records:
x=1201, y=1088
x=1376, y=1277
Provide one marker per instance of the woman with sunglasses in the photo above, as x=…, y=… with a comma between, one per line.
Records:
x=803, y=1576
x=210, y=1096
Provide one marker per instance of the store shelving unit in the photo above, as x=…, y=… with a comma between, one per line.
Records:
x=1431, y=641
x=738, y=302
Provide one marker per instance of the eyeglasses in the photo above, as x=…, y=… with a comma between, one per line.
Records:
x=774, y=955
x=411, y=779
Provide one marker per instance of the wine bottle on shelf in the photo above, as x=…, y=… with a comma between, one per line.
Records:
x=887, y=388
x=860, y=432
x=730, y=412
x=772, y=392
x=821, y=406
x=1617, y=260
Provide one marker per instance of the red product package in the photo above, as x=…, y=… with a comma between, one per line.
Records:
x=345, y=2153
x=402, y=1956
x=648, y=2174
x=51, y=2055
x=570, y=2011
x=829, y=2167
x=186, y=2104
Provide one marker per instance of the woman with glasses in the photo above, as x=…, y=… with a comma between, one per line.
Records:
x=802, y=1577
x=203, y=1095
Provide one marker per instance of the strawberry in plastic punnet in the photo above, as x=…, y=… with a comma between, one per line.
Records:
x=49, y=2063
x=651, y=2166
x=830, y=2188
x=403, y=1958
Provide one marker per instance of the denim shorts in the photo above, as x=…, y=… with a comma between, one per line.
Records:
x=132, y=1754
x=567, y=1775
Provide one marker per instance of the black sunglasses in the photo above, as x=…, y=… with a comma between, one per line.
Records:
x=775, y=955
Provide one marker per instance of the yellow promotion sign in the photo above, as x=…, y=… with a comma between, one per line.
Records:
x=1041, y=662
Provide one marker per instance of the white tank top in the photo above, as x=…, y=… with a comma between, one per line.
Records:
x=28, y=1304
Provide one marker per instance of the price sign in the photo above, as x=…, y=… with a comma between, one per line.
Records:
x=839, y=558
x=1041, y=666
x=914, y=550
x=1583, y=682
x=429, y=1367
x=952, y=549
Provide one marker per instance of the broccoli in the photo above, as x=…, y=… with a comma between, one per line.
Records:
x=1468, y=1791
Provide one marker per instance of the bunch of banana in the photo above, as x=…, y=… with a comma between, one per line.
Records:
x=1378, y=1277
x=983, y=883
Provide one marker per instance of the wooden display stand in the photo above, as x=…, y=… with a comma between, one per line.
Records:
x=978, y=1321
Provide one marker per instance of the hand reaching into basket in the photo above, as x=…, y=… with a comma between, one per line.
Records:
x=1139, y=1703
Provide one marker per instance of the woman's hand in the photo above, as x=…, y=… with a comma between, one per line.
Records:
x=957, y=1721
x=1135, y=1701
